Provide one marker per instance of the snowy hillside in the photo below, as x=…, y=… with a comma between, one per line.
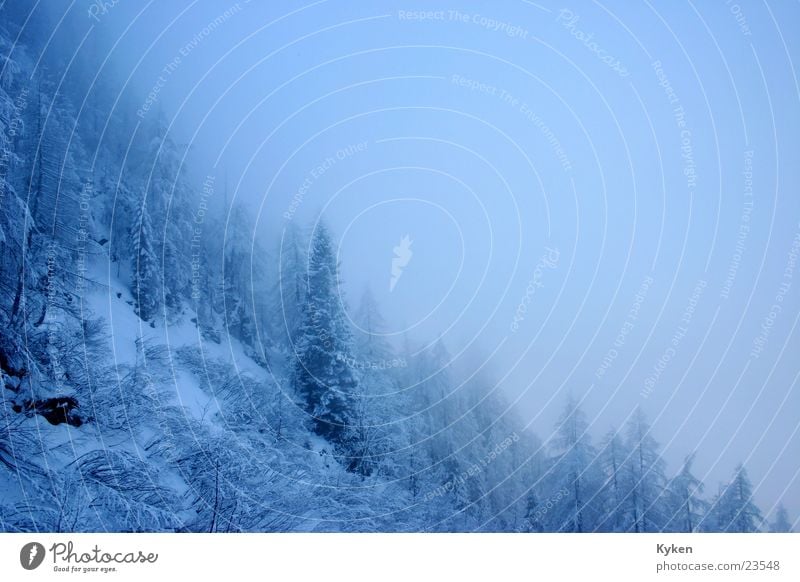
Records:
x=165, y=367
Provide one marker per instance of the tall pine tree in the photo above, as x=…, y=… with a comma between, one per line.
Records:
x=321, y=375
x=615, y=486
x=734, y=509
x=645, y=502
x=289, y=292
x=686, y=507
x=145, y=277
x=575, y=470
x=377, y=398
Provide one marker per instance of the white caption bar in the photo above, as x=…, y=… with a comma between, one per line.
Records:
x=354, y=557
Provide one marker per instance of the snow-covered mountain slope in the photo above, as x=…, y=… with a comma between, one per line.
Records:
x=166, y=366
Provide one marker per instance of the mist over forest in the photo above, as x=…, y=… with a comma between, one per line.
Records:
x=342, y=267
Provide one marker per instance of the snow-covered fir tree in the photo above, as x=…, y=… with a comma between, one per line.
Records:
x=321, y=375
x=734, y=509
x=146, y=283
x=289, y=283
x=685, y=505
x=615, y=490
x=574, y=469
x=781, y=523
x=644, y=502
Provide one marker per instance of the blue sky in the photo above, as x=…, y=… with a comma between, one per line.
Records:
x=560, y=157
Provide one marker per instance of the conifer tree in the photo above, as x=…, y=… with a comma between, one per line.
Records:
x=289, y=294
x=646, y=470
x=686, y=507
x=321, y=375
x=734, y=509
x=781, y=524
x=145, y=279
x=574, y=469
x=612, y=460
